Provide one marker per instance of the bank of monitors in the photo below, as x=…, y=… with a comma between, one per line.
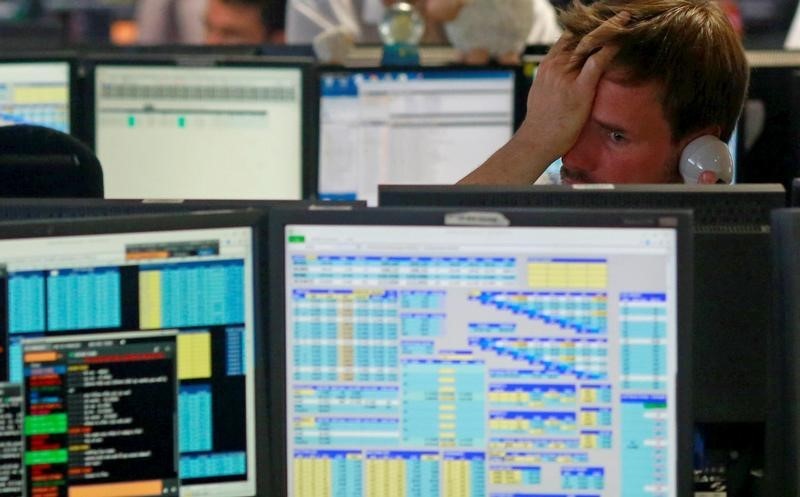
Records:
x=231, y=129
x=38, y=91
x=432, y=352
x=414, y=126
x=194, y=275
x=87, y=431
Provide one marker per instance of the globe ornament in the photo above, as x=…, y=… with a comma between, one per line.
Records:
x=401, y=30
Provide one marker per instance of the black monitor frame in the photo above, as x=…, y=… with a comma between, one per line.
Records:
x=280, y=218
x=254, y=219
x=718, y=208
x=783, y=425
x=23, y=209
x=75, y=92
x=309, y=119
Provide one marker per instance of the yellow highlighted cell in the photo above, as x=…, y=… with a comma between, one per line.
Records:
x=150, y=300
x=194, y=355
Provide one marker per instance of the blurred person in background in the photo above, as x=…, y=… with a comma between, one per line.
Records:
x=165, y=22
x=244, y=22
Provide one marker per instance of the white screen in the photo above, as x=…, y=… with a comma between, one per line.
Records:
x=478, y=362
x=198, y=282
x=412, y=127
x=207, y=133
x=35, y=93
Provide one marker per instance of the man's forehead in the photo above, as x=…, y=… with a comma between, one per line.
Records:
x=626, y=104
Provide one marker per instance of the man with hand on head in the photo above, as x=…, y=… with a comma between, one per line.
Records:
x=626, y=88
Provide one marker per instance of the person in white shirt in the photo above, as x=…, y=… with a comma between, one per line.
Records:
x=162, y=22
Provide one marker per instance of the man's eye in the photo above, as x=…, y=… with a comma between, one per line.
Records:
x=617, y=137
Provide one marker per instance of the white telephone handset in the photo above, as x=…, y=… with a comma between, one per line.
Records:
x=706, y=153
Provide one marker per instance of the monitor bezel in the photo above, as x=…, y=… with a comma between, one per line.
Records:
x=666, y=196
x=679, y=220
x=75, y=90
x=783, y=421
x=78, y=208
x=253, y=219
x=309, y=112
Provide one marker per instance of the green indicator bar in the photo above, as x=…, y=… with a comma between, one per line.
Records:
x=655, y=405
x=58, y=456
x=181, y=122
x=131, y=121
x=42, y=425
x=297, y=239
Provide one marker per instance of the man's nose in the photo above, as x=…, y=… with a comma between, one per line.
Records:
x=580, y=156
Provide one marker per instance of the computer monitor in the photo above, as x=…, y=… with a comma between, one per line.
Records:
x=203, y=129
x=36, y=90
x=86, y=431
x=10, y=439
x=731, y=239
x=783, y=429
x=438, y=352
x=199, y=274
x=23, y=209
x=414, y=126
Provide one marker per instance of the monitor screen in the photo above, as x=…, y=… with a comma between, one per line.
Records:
x=35, y=93
x=86, y=433
x=197, y=281
x=412, y=127
x=10, y=439
x=217, y=132
x=475, y=361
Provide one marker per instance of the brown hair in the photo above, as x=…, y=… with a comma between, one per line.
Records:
x=688, y=46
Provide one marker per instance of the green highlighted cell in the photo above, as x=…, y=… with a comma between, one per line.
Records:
x=181, y=122
x=297, y=239
x=131, y=121
x=44, y=425
x=58, y=456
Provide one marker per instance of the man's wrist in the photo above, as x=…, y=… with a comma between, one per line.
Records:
x=530, y=137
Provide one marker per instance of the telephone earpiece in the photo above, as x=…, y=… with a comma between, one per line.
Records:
x=706, y=153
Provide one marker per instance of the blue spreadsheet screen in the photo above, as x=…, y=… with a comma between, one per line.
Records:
x=35, y=93
x=193, y=281
x=461, y=362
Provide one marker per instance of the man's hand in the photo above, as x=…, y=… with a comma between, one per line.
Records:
x=561, y=98
x=559, y=104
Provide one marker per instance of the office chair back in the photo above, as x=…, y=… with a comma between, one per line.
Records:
x=36, y=161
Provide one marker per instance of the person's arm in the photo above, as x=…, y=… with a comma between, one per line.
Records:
x=559, y=104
